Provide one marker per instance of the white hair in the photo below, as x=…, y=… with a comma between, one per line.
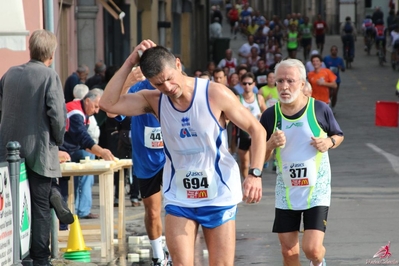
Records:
x=307, y=89
x=80, y=91
x=93, y=94
x=293, y=63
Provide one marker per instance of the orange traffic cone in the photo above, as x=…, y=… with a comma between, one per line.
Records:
x=75, y=239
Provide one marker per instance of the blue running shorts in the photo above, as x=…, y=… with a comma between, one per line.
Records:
x=209, y=216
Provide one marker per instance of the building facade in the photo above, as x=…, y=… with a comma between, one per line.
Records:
x=107, y=30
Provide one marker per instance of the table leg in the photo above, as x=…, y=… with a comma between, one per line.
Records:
x=71, y=192
x=121, y=205
x=107, y=215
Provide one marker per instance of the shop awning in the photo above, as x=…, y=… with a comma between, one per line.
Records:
x=12, y=25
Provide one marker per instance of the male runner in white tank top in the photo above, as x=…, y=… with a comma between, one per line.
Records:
x=201, y=181
x=255, y=103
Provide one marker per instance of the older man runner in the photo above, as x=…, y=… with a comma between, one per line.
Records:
x=301, y=130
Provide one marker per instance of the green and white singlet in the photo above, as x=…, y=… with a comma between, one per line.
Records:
x=303, y=173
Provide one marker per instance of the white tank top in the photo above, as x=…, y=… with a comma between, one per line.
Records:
x=199, y=170
x=253, y=107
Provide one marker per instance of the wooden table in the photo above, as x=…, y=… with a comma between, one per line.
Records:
x=106, y=195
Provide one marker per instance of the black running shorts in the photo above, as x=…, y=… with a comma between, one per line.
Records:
x=150, y=186
x=290, y=220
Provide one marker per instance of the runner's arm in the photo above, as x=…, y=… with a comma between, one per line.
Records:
x=129, y=104
x=223, y=100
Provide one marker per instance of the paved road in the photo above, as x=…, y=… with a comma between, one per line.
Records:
x=365, y=178
x=365, y=181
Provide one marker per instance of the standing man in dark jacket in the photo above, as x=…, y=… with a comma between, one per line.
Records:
x=76, y=78
x=99, y=76
x=378, y=14
x=33, y=113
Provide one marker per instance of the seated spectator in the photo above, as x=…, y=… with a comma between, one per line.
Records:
x=76, y=141
x=79, y=92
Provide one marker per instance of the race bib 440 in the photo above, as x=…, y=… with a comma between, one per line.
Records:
x=153, y=138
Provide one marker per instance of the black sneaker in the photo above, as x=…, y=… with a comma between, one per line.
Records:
x=60, y=207
x=159, y=262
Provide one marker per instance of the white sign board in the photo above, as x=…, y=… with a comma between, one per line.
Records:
x=24, y=210
x=6, y=220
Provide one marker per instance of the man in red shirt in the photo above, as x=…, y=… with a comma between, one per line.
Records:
x=321, y=79
x=319, y=31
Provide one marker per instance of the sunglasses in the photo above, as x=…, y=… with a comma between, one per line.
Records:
x=247, y=83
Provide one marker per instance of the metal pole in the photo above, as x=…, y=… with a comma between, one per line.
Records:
x=13, y=160
x=162, y=17
x=49, y=15
x=49, y=25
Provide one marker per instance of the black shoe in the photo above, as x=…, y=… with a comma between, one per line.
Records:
x=60, y=207
x=42, y=263
x=90, y=216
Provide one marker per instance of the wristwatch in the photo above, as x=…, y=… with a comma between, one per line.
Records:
x=256, y=172
x=333, y=142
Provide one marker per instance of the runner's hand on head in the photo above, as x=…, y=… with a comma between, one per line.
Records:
x=134, y=57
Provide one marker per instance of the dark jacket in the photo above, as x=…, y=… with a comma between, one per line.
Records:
x=97, y=79
x=33, y=113
x=70, y=84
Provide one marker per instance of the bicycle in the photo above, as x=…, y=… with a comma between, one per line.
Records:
x=369, y=43
x=380, y=53
x=347, y=58
x=395, y=62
